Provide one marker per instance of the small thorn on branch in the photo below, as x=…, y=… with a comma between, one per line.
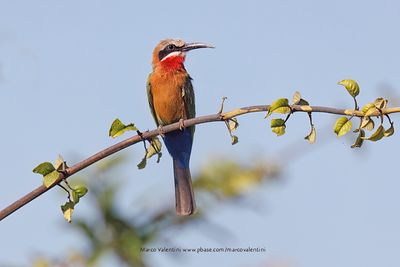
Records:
x=221, y=108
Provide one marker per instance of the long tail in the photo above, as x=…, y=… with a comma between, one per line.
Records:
x=184, y=196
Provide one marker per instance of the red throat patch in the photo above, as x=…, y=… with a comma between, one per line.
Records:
x=173, y=62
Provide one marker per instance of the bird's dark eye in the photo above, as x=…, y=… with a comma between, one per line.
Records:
x=171, y=47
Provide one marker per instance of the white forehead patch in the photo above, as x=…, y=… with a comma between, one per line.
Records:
x=174, y=54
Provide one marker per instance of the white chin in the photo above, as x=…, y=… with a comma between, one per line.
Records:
x=174, y=54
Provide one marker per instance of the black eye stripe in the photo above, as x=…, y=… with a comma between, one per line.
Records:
x=167, y=50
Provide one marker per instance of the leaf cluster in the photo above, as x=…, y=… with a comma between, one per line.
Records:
x=123, y=234
x=343, y=125
x=281, y=106
x=51, y=175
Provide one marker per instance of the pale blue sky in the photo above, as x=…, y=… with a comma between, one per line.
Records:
x=68, y=68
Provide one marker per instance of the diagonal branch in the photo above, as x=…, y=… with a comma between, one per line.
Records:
x=169, y=128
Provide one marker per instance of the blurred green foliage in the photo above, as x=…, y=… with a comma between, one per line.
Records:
x=110, y=232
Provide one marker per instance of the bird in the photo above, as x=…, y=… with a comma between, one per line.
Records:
x=171, y=99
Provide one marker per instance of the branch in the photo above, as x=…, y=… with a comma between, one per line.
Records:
x=172, y=127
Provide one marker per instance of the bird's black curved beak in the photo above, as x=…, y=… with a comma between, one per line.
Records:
x=191, y=46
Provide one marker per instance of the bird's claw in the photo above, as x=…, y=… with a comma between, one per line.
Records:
x=161, y=131
x=181, y=124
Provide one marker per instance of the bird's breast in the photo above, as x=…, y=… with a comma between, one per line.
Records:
x=168, y=102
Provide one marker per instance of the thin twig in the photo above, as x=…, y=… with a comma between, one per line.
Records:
x=66, y=190
x=390, y=120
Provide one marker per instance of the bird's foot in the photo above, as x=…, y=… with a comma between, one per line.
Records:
x=181, y=124
x=161, y=131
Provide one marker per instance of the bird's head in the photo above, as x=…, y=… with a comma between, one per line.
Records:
x=170, y=53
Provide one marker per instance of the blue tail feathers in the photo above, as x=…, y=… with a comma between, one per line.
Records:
x=179, y=145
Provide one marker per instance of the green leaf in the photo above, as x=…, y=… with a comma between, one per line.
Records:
x=380, y=103
x=154, y=148
x=75, y=197
x=367, y=123
x=44, y=168
x=118, y=128
x=67, y=209
x=142, y=164
x=60, y=164
x=78, y=192
x=49, y=179
x=342, y=126
x=234, y=139
x=278, y=126
x=377, y=135
x=233, y=124
x=368, y=109
x=81, y=190
x=279, y=106
x=359, y=141
x=390, y=131
x=351, y=87
x=303, y=103
x=311, y=136
x=297, y=100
